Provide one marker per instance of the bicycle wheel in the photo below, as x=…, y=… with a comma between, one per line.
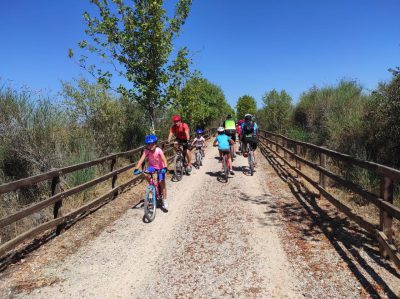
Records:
x=251, y=162
x=226, y=170
x=178, y=167
x=198, y=158
x=150, y=203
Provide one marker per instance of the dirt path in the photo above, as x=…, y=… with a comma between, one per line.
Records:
x=216, y=240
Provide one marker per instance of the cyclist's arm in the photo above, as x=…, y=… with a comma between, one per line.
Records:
x=215, y=142
x=170, y=136
x=140, y=162
x=187, y=133
x=164, y=159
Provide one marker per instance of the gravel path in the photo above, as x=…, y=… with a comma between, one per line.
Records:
x=217, y=240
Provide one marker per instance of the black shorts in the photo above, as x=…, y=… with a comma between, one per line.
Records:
x=185, y=144
x=224, y=152
x=231, y=133
x=252, y=140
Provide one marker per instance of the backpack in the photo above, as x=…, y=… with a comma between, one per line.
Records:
x=248, y=128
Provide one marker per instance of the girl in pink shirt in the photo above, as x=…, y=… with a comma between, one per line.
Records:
x=157, y=160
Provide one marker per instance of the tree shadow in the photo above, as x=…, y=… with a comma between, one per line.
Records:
x=338, y=230
x=37, y=242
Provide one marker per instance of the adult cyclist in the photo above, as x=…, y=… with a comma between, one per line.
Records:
x=182, y=136
x=249, y=135
x=230, y=130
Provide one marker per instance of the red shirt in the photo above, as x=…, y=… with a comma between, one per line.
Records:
x=180, y=132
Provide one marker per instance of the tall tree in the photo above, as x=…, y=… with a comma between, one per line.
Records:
x=277, y=110
x=201, y=102
x=245, y=104
x=136, y=38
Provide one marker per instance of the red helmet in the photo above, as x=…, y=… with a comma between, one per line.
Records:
x=176, y=118
x=240, y=121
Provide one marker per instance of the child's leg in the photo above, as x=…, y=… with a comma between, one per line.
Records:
x=163, y=189
x=204, y=151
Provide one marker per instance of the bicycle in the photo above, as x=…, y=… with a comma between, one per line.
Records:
x=180, y=164
x=199, y=157
x=153, y=194
x=250, y=153
x=225, y=173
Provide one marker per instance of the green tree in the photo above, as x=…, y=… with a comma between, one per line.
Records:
x=277, y=111
x=136, y=38
x=246, y=104
x=99, y=113
x=201, y=102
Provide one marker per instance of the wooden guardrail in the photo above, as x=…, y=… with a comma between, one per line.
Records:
x=56, y=197
x=384, y=201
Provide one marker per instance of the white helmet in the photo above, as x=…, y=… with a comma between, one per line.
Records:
x=220, y=129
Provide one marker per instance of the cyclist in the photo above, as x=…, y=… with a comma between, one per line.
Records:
x=156, y=159
x=199, y=141
x=224, y=142
x=230, y=130
x=239, y=132
x=249, y=134
x=182, y=136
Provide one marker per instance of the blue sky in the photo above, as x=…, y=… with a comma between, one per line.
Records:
x=245, y=47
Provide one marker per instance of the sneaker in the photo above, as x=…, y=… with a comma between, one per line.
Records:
x=165, y=205
x=231, y=172
x=189, y=169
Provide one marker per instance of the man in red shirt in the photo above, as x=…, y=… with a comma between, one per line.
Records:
x=182, y=136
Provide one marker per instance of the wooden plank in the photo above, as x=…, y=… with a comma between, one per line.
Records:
x=337, y=203
x=30, y=181
x=53, y=223
x=385, y=219
x=379, y=202
x=390, y=249
x=42, y=204
x=374, y=167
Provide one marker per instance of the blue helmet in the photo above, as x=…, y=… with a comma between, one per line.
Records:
x=150, y=139
x=199, y=131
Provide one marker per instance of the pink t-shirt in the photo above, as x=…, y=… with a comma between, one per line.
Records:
x=155, y=159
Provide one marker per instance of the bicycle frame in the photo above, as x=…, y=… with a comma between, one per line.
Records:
x=155, y=183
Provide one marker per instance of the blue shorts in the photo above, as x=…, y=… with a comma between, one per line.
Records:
x=160, y=175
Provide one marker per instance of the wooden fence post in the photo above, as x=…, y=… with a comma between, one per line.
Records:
x=284, y=144
x=114, y=178
x=57, y=209
x=276, y=144
x=298, y=152
x=387, y=188
x=322, y=177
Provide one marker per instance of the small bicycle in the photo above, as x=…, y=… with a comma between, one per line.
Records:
x=153, y=194
x=225, y=173
x=180, y=164
x=199, y=157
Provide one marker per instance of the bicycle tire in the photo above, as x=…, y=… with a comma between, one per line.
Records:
x=251, y=162
x=150, y=203
x=178, y=167
x=198, y=158
x=226, y=171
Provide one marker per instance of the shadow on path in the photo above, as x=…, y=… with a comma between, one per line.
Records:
x=339, y=231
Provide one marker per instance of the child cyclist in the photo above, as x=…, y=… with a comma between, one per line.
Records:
x=157, y=160
x=199, y=141
x=224, y=142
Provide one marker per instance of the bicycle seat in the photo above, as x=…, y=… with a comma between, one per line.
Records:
x=150, y=170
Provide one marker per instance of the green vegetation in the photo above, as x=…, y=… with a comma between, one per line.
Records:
x=136, y=38
x=277, y=112
x=245, y=104
x=201, y=102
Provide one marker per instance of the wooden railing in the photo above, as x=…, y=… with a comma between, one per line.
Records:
x=384, y=201
x=56, y=197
